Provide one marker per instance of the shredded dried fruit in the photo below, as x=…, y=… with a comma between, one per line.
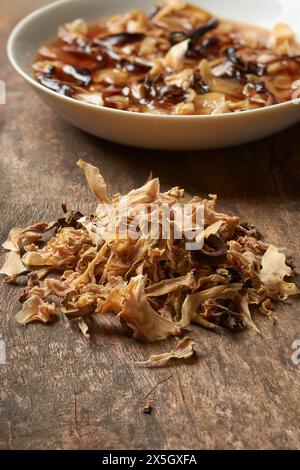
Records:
x=180, y=59
x=155, y=282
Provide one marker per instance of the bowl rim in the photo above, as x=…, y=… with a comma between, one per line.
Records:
x=17, y=29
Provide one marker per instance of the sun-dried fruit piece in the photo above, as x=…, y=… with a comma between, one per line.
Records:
x=175, y=56
x=143, y=195
x=95, y=180
x=13, y=265
x=35, y=309
x=19, y=237
x=273, y=272
x=83, y=328
x=141, y=318
x=193, y=301
x=170, y=285
x=183, y=350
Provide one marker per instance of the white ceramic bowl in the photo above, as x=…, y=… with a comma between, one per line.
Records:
x=146, y=130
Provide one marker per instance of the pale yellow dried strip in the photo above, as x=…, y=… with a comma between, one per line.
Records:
x=183, y=350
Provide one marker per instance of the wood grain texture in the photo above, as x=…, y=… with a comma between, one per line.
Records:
x=59, y=391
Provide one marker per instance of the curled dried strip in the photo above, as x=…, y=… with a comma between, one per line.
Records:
x=120, y=39
x=55, y=85
x=170, y=285
x=19, y=237
x=141, y=318
x=183, y=350
x=35, y=309
x=95, y=180
x=214, y=251
x=202, y=30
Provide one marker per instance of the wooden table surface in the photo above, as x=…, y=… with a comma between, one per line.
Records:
x=59, y=391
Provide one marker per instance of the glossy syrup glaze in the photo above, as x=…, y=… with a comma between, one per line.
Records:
x=179, y=59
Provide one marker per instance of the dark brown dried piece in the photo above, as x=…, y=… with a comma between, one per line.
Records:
x=242, y=66
x=136, y=66
x=198, y=49
x=82, y=76
x=225, y=314
x=55, y=85
x=199, y=86
x=244, y=228
x=120, y=39
x=199, y=32
x=235, y=274
x=152, y=86
x=213, y=251
x=71, y=218
x=233, y=58
x=171, y=94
